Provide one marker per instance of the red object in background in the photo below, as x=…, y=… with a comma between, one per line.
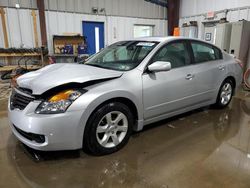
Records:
x=173, y=15
x=210, y=15
x=176, y=31
x=52, y=60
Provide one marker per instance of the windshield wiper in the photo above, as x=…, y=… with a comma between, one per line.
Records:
x=99, y=66
x=95, y=65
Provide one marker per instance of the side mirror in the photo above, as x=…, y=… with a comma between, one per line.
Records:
x=159, y=66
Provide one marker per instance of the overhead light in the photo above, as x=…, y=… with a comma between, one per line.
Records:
x=17, y=5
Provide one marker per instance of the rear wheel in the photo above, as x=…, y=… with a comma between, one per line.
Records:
x=225, y=94
x=108, y=129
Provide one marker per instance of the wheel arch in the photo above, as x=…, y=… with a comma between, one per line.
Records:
x=126, y=101
x=89, y=143
x=232, y=79
x=229, y=77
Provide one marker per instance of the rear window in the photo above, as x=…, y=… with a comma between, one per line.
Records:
x=205, y=52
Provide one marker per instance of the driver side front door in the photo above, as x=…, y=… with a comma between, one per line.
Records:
x=169, y=91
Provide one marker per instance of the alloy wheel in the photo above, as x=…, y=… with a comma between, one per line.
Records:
x=226, y=93
x=112, y=129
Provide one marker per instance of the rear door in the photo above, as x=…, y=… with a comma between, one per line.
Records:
x=209, y=70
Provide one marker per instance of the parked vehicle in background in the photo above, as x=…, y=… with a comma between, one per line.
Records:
x=130, y=84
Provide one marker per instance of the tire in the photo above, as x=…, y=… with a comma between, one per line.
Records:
x=105, y=133
x=225, y=94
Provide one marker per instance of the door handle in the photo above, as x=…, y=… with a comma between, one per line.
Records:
x=189, y=77
x=222, y=67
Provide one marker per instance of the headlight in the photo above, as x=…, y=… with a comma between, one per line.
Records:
x=59, y=103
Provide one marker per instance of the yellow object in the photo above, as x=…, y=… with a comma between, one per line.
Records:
x=64, y=95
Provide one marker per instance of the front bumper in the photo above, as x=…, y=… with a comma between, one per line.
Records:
x=61, y=131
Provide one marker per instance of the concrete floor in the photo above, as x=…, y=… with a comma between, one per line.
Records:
x=204, y=148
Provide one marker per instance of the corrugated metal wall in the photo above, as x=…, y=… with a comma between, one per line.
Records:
x=232, y=16
x=22, y=3
x=131, y=8
x=116, y=27
x=67, y=16
x=194, y=7
x=20, y=26
x=195, y=10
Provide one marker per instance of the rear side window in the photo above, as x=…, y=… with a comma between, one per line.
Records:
x=176, y=53
x=205, y=52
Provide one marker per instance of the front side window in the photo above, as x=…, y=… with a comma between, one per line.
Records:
x=176, y=53
x=204, y=52
x=122, y=56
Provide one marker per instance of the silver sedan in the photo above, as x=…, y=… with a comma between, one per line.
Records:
x=129, y=84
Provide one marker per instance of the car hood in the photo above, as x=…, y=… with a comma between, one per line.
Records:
x=58, y=74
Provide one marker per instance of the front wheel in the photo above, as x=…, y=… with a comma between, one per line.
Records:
x=108, y=129
x=225, y=94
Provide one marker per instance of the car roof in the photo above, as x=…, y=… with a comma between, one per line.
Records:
x=164, y=39
x=169, y=38
x=158, y=39
x=151, y=39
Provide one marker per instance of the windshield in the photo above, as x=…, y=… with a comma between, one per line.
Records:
x=122, y=56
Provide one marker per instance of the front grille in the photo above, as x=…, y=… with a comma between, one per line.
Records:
x=31, y=136
x=19, y=101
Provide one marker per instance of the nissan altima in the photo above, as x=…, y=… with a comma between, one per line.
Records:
x=127, y=85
